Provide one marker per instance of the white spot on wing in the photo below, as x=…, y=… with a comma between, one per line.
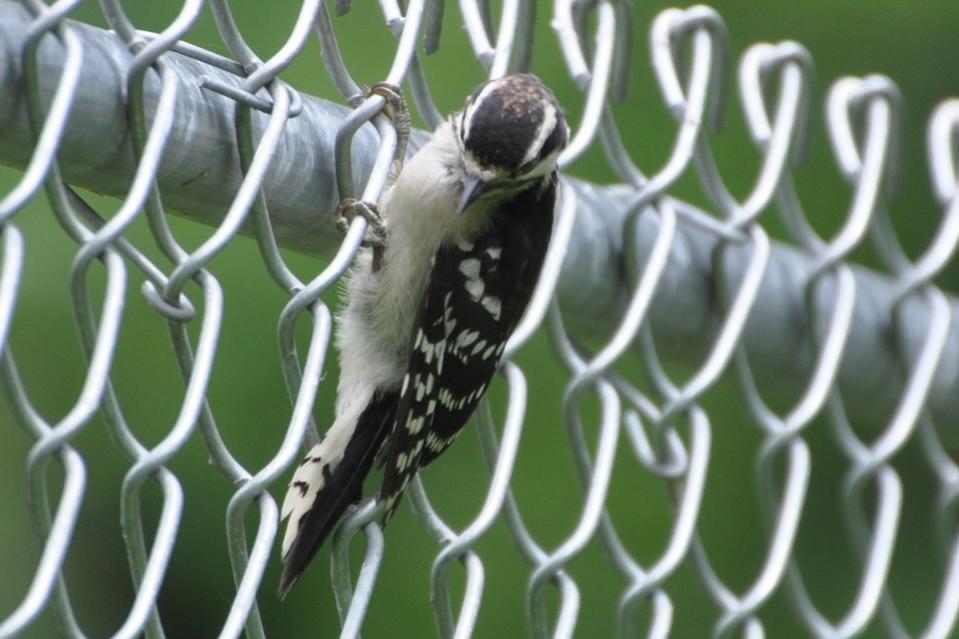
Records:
x=470, y=267
x=433, y=442
x=448, y=319
x=440, y=352
x=475, y=288
x=415, y=424
x=416, y=450
x=466, y=337
x=492, y=305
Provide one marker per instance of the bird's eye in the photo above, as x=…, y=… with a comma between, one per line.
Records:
x=527, y=167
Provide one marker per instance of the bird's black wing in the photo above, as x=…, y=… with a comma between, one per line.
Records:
x=476, y=294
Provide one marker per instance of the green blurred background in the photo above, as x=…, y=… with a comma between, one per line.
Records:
x=913, y=42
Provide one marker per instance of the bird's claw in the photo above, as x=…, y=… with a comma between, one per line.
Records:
x=396, y=109
x=395, y=104
x=358, y=506
x=347, y=211
x=352, y=509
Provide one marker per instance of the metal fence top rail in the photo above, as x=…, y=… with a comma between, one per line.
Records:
x=299, y=190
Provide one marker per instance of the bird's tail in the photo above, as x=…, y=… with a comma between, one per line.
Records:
x=328, y=480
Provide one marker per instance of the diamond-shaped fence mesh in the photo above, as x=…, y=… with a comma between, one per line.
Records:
x=648, y=303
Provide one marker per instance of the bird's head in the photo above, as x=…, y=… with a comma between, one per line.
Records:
x=511, y=132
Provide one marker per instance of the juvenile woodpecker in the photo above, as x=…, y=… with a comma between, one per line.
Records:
x=427, y=314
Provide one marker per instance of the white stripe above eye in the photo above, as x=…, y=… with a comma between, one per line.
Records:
x=547, y=126
x=474, y=106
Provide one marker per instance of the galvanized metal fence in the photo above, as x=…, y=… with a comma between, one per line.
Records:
x=169, y=127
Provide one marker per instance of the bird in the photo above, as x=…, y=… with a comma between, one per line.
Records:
x=461, y=235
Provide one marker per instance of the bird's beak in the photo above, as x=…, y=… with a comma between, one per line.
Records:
x=473, y=190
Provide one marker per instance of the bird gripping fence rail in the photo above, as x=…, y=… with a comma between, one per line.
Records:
x=171, y=128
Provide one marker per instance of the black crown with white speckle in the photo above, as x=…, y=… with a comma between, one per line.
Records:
x=505, y=118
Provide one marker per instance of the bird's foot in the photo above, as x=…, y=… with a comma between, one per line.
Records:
x=347, y=211
x=376, y=230
x=395, y=109
x=359, y=506
x=398, y=112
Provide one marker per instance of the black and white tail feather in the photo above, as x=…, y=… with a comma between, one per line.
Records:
x=467, y=224
x=326, y=483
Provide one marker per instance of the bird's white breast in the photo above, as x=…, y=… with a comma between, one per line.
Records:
x=375, y=327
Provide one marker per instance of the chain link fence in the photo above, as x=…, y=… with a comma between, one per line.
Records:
x=170, y=128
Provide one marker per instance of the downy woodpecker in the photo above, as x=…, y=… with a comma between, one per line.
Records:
x=427, y=314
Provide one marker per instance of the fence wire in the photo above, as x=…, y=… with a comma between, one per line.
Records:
x=223, y=139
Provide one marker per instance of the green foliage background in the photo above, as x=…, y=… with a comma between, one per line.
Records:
x=913, y=42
